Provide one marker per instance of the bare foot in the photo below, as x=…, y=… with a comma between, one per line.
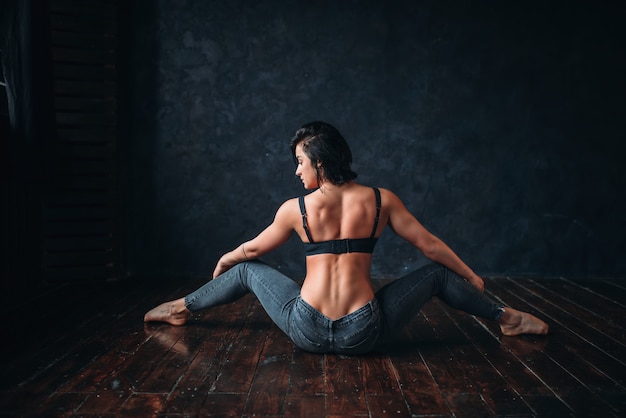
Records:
x=174, y=313
x=514, y=322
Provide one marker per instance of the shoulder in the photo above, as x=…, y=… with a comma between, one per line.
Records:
x=288, y=206
x=289, y=211
x=388, y=197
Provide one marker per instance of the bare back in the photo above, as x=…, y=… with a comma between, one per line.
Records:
x=338, y=284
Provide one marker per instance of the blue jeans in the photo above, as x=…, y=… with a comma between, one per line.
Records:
x=364, y=330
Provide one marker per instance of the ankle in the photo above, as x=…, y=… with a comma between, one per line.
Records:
x=509, y=317
x=178, y=307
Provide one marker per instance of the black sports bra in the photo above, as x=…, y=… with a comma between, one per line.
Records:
x=340, y=246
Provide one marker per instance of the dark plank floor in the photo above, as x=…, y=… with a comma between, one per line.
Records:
x=82, y=350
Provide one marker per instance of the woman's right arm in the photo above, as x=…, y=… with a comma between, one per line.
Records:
x=272, y=237
x=403, y=223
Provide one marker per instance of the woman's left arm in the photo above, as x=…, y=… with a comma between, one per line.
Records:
x=272, y=237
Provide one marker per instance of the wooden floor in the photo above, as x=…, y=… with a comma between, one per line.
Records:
x=88, y=353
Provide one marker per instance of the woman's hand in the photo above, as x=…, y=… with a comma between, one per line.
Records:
x=221, y=267
x=228, y=260
x=477, y=282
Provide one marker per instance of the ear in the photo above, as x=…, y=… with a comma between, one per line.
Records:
x=319, y=164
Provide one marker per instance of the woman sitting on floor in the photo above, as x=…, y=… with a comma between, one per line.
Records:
x=336, y=309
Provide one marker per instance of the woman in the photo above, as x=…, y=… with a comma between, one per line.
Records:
x=336, y=309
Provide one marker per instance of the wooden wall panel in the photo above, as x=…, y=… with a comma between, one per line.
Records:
x=81, y=213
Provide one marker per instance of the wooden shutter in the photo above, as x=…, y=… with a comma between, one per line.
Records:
x=81, y=208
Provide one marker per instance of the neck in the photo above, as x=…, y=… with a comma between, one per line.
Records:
x=329, y=188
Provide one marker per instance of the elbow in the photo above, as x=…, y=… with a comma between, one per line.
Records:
x=430, y=248
x=430, y=253
x=253, y=255
x=251, y=252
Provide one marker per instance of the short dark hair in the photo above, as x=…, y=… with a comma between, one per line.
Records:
x=324, y=144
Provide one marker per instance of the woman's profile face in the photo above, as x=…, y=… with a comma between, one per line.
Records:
x=306, y=170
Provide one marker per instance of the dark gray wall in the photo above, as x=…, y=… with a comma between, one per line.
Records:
x=501, y=127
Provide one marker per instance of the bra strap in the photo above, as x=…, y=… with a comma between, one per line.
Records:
x=377, y=193
x=304, y=224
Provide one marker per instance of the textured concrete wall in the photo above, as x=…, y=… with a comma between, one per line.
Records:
x=500, y=126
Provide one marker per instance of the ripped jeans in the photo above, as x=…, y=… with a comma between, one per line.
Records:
x=362, y=331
